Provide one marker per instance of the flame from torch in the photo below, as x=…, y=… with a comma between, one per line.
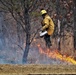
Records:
x=56, y=55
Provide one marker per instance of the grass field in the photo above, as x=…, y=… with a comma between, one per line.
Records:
x=37, y=69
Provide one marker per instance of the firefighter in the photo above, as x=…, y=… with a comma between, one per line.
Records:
x=47, y=25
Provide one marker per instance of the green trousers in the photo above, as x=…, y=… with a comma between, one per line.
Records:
x=47, y=40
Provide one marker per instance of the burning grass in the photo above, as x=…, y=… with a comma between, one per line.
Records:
x=56, y=55
x=34, y=69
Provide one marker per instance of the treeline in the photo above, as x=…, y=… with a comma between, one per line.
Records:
x=25, y=16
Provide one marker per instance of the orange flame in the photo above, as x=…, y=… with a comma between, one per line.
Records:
x=56, y=55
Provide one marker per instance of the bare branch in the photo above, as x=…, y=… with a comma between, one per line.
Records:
x=21, y=18
x=34, y=4
x=34, y=35
x=5, y=4
x=17, y=20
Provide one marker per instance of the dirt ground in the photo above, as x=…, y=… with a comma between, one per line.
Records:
x=37, y=69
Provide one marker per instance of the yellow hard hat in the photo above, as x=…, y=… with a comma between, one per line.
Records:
x=43, y=12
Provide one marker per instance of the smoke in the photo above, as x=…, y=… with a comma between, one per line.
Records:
x=0, y=44
x=35, y=57
x=10, y=53
x=11, y=56
x=11, y=49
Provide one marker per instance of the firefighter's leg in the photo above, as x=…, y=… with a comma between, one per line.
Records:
x=50, y=44
x=47, y=40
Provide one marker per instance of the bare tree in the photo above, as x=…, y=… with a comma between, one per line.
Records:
x=20, y=11
x=58, y=22
x=74, y=24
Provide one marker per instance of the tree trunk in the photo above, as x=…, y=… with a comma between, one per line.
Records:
x=27, y=28
x=59, y=32
x=75, y=24
x=20, y=35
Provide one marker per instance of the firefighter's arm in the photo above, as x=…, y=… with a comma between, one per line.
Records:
x=46, y=24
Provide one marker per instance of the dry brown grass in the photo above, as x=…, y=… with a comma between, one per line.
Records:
x=37, y=69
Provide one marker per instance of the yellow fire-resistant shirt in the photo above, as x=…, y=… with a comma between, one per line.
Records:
x=48, y=25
